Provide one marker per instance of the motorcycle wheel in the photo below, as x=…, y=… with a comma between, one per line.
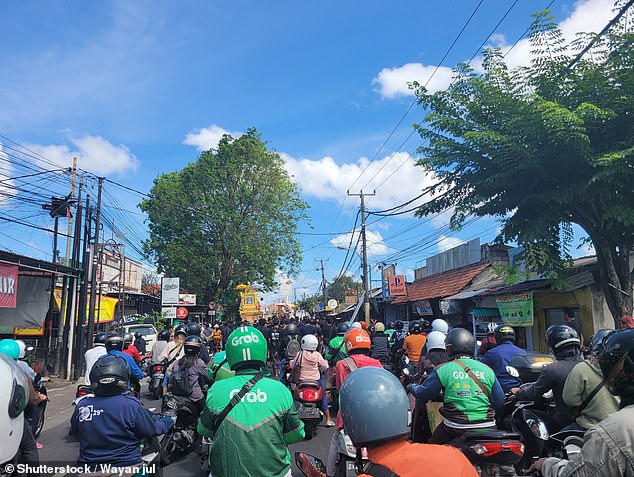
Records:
x=309, y=430
x=168, y=448
x=39, y=425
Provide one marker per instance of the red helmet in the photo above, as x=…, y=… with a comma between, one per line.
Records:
x=357, y=338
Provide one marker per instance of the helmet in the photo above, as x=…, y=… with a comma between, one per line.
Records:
x=291, y=329
x=13, y=400
x=218, y=368
x=342, y=328
x=617, y=362
x=379, y=327
x=363, y=324
x=137, y=335
x=596, y=342
x=491, y=327
x=114, y=342
x=440, y=325
x=193, y=345
x=435, y=340
x=415, y=329
x=10, y=348
x=22, y=346
x=128, y=338
x=459, y=341
x=310, y=343
x=164, y=335
x=216, y=326
x=356, y=324
x=110, y=375
x=100, y=339
x=560, y=336
x=504, y=333
x=181, y=330
x=246, y=346
x=370, y=392
x=398, y=325
x=194, y=329
x=357, y=338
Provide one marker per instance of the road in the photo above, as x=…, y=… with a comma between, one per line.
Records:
x=62, y=448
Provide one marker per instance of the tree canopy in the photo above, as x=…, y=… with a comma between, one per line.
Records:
x=230, y=217
x=542, y=147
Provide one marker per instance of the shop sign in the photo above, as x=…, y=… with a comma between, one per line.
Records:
x=385, y=280
x=397, y=285
x=8, y=285
x=422, y=308
x=351, y=299
x=186, y=299
x=169, y=312
x=516, y=310
x=169, y=291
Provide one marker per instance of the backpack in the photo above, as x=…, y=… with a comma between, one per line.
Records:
x=293, y=347
x=275, y=335
x=182, y=384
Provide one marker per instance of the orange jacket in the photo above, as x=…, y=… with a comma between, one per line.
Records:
x=416, y=460
x=413, y=345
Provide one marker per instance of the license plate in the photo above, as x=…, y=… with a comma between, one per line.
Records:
x=309, y=412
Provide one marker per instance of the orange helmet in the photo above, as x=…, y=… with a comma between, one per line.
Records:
x=364, y=325
x=357, y=338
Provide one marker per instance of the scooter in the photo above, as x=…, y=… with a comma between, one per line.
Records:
x=493, y=453
x=157, y=375
x=349, y=458
x=37, y=413
x=309, y=396
x=182, y=436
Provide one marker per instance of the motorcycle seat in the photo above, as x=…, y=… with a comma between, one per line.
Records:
x=490, y=434
x=312, y=384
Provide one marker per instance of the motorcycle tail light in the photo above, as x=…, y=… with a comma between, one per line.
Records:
x=364, y=452
x=158, y=368
x=308, y=395
x=487, y=449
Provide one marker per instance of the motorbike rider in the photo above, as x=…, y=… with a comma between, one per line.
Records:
x=500, y=356
x=488, y=342
x=336, y=350
x=308, y=328
x=158, y=348
x=129, y=348
x=564, y=343
x=114, y=347
x=440, y=325
x=194, y=329
x=389, y=451
x=379, y=349
x=110, y=424
x=357, y=343
x=435, y=355
x=414, y=342
x=216, y=338
x=140, y=343
x=291, y=333
x=174, y=349
x=581, y=383
x=262, y=421
x=311, y=362
x=13, y=402
x=94, y=353
x=194, y=369
x=608, y=449
x=471, y=392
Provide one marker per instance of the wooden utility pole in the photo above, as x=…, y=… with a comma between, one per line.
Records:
x=93, y=276
x=364, y=256
x=323, y=280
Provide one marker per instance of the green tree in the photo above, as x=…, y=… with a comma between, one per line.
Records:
x=308, y=304
x=230, y=217
x=542, y=147
x=340, y=287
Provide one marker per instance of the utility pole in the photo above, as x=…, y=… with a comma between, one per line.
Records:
x=364, y=256
x=69, y=325
x=83, y=293
x=93, y=275
x=323, y=280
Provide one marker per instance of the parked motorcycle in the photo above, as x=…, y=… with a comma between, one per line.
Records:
x=157, y=375
x=308, y=397
x=182, y=436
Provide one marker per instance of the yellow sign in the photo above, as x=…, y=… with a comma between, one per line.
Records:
x=28, y=331
x=105, y=307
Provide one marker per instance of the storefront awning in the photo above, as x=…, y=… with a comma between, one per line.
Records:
x=481, y=312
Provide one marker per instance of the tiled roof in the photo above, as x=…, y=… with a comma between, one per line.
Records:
x=522, y=287
x=441, y=285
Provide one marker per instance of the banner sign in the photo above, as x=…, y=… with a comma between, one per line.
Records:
x=169, y=312
x=104, y=310
x=169, y=291
x=516, y=310
x=33, y=300
x=186, y=299
x=422, y=308
x=8, y=285
x=351, y=299
x=397, y=285
x=385, y=280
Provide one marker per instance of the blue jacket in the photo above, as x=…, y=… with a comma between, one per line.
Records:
x=135, y=371
x=110, y=429
x=498, y=359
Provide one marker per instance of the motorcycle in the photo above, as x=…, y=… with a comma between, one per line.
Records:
x=157, y=375
x=145, y=362
x=493, y=453
x=349, y=458
x=308, y=397
x=37, y=412
x=182, y=436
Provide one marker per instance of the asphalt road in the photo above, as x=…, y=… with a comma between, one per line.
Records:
x=58, y=446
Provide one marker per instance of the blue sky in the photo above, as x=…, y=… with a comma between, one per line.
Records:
x=135, y=89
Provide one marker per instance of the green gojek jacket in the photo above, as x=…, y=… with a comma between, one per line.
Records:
x=253, y=438
x=332, y=355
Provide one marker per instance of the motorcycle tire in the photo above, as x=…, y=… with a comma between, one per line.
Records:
x=38, y=425
x=309, y=430
x=169, y=448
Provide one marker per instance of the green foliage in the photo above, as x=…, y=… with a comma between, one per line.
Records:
x=308, y=304
x=229, y=217
x=542, y=147
x=340, y=286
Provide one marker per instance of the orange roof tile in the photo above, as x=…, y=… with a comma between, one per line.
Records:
x=441, y=285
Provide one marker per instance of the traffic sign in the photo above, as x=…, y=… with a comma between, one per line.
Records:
x=181, y=312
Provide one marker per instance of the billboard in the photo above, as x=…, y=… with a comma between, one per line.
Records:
x=397, y=285
x=186, y=299
x=8, y=285
x=169, y=291
x=385, y=280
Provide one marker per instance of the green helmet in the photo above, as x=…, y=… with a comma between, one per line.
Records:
x=218, y=367
x=10, y=348
x=246, y=344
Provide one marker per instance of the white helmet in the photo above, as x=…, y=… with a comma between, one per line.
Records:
x=22, y=346
x=310, y=343
x=440, y=325
x=491, y=328
x=435, y=340
x=356, y=324
x=13, y=399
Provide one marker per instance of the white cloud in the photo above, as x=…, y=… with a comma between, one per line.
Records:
x=7, y=185
x=376, y=245
x=94, y=154
x=392, y=82
x=208, y=138
x=587, y=16
x=447, y=243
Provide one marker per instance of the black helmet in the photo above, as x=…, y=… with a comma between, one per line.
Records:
x=100, y=338
x=415, y=329
x=128, y=338
x=164, y=335
x=181, y=330
x=398, y=325
x=342, y=328
x=137, y=335
x=291, y=329
x=114, y=342
x=596, y=342
x=459, y=341
x=617, y=362
x=370, y=392
x=194, y=329
x=110, y=375
x=561, y=336
x=504, y=333
x=193, y=345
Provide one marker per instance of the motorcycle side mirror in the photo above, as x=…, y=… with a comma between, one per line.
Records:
x=406, y=359
x=310, y=465
x=29, y=349
x=512, y=371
